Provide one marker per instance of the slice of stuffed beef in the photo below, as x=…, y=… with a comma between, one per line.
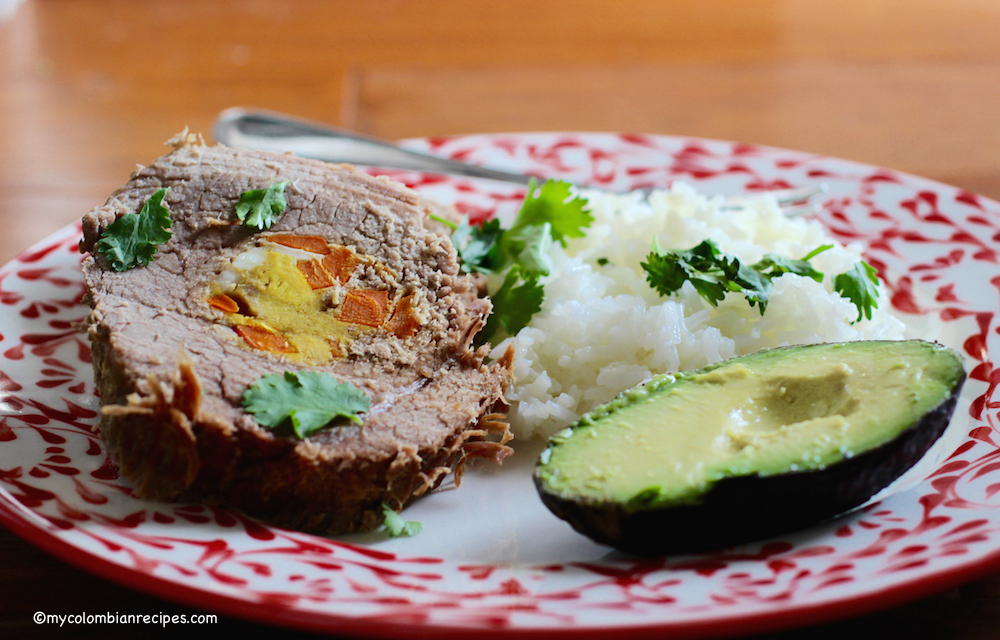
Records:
x=263, y=264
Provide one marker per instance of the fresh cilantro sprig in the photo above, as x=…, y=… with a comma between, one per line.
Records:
x=860, y=286
x=260, y=207
x=132, y=239
x=474, y=244
x=554, y=204
x=548, y=214
x=713, y=274
x=708, y=270
x=514, y=303
x=310, y=400
x=396, y=526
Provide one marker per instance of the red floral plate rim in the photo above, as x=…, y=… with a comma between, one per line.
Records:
x=936, y=246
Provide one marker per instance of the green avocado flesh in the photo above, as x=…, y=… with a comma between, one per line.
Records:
x=794, y=409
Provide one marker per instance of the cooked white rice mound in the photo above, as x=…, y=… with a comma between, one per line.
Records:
x=603, y=329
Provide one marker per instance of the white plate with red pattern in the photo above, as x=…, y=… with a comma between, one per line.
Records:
x=491, y=559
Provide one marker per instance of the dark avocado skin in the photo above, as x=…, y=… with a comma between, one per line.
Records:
x=743, y=509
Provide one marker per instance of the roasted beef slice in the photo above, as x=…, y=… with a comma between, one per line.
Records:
x=172, y=362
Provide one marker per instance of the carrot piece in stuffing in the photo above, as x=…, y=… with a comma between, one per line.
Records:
x=315, y=274
x=381, y=298
x=335, y=349
x=312, y=244
x=264, y=339
x=404, y=322
x=224, y=303
x=364, y=307
x=341, y=263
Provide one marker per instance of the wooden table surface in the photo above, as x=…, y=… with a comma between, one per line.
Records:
x=89, y=88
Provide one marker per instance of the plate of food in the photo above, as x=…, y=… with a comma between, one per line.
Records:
x=310, y=417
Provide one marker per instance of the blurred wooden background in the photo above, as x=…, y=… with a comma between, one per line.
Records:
x=89, y=88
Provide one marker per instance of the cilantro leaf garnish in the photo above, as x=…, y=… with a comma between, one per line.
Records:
x=311, y=400
x=711, y=272
x=548, y=214
x=396, y=527
x=475, y=244
x=775, y=265
x=714, y=273
x=260, y=207
x=860, y=286
x=527, y=248
x=815, y=252
x=514, y=303
x=132, y=239
x=553, y=204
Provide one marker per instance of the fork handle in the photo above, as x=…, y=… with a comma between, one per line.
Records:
x=268, y=131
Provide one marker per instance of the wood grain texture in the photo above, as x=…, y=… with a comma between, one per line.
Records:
x=89, y=88
x=875, y=112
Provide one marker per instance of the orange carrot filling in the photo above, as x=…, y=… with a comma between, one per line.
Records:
x=404, y=322
x=224, y=303
x=341, y=263
x=316, y=275
x=312, y=244
x=264, y=339
x=294, y=314
x=381, y=298
x=335, y=350
x=364, y=307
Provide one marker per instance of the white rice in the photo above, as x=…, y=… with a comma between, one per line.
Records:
x=603, y=329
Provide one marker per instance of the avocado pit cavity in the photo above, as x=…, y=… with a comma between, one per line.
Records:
x=793, y=408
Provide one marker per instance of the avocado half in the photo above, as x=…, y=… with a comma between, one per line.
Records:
x=751, y=447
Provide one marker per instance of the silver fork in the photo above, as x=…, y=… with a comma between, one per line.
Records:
x=270, y=131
